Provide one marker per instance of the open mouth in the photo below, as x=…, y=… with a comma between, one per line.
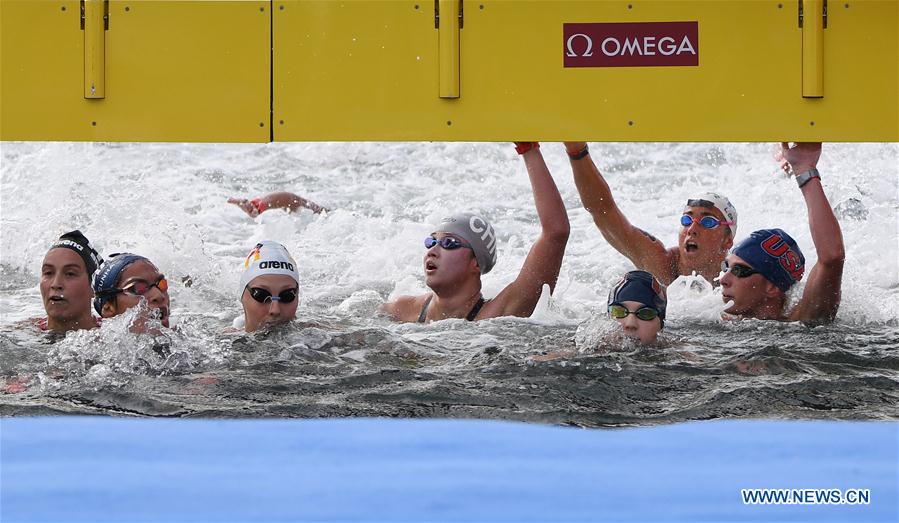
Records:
x=690, y=246
x=430, y=266
x=56, y=299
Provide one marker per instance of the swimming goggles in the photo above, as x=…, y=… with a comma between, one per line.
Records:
x=738, y=269
x=447, y=242
x=264, y=296
x=709, y=222
x=618, y=311
x=141, y=287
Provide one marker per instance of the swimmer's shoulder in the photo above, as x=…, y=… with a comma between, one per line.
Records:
x=42, y=324
x=405, y=308
x=493, y=308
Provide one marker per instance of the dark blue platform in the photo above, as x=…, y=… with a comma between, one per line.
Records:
x=113, y=469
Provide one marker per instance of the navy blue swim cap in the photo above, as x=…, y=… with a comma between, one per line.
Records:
x=642, y=287
x=775, y=255
x=106, y=278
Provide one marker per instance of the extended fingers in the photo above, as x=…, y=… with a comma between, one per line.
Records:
x=245, y=205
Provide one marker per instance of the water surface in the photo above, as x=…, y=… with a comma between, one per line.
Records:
x=167, y=201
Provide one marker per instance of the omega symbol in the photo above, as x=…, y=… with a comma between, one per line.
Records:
x=570, y=45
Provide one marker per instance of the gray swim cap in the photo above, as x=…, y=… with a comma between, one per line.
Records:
x=475, y=230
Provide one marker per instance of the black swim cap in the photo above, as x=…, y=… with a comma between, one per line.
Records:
x=77, y=242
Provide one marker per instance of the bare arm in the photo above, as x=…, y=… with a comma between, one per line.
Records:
x=645, y=251
x=545, y=257
x=276, y=200
x=821, y=297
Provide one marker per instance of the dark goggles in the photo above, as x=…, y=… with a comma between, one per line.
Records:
x=141, y=287
x=265, y=296
x=447, y=242
x=738, y=269
x=709, y=222
x=618, y=311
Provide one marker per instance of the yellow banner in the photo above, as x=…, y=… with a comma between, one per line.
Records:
x=315, y=70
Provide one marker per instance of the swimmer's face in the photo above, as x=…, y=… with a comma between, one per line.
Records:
x=271, y=311
x=748, y=293
x=447, y=267
x=65, y=286
x=156, y=298
x=641, y=330
x=699, y=246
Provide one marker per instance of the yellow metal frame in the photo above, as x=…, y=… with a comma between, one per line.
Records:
x=448, y=35
x=94, y=28
x=813, y=48
x=309, y=70
x=193, y=70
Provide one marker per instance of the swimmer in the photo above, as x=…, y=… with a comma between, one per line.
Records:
x=708, y=226
x=462, y=248
x=66, y=274
x=762, y=268
x=638, y=302
x=123, y=281
x=276, y=200
x=269, y=286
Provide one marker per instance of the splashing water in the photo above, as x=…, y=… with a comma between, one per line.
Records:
x=167, y=202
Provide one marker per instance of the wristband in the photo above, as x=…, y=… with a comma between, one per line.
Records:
x=523, y=147
x=260, y=205
x=580, y=154
x=803, y=178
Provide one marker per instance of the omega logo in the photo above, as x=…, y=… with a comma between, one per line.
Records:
x=646, y=46
x=630, y=44
x=570, y=45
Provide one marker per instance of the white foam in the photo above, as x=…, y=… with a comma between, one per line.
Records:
x=168, y=202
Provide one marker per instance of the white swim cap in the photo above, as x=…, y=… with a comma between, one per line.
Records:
x=719, y=202
x=268, y=257
x=477, y=231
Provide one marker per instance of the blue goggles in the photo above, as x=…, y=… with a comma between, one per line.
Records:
x=447, y=242
x=709, y=222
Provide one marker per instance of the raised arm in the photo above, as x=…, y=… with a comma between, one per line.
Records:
x=276, y=200
x=821, y=297
x=545, y=257
x=644, y=250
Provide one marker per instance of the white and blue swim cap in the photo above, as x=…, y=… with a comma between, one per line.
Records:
x=477, y=231
x=268, y=257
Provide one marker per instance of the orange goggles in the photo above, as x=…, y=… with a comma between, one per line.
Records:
x=141, y=287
